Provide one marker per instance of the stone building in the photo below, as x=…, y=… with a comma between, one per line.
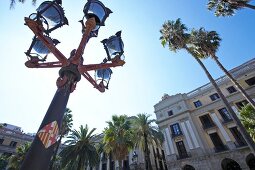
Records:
x=199, y=132
x=10, y=137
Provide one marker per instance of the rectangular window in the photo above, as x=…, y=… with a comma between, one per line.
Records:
x=225, y=115
x=197, y=103
x=13, y=144
x=1, y=141
x=176, y=130
x=250, y=81
x=218, y=144
x=206, y=121
x=181, y=150
x=170, y=113
x=214, y=96
x=238, y=137
x=241, y=104
x=231, y=89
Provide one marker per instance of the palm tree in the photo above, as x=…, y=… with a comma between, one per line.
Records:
x=3, y=162
x=248, y=119
x=64, y=130
x=146, y=135
x=228, y=7
x=15, y=161
x=174, y=33
x=81, y=151
x=206, y=43
x=118, y=138
x=13, y=2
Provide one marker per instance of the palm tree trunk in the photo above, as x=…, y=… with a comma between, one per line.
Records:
x=249, y=6
x=247, y=97
x=120, y=164
x=148, y=165
x=247, y=137
x=55, y=153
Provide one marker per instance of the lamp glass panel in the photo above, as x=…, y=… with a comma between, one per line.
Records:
x=104, y=74
x=115, y=46
x=96, y=10
x=40, y=48
x=54, y=14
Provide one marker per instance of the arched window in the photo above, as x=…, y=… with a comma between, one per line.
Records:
x=229, y=164
x=188, y=167
x=250, y=160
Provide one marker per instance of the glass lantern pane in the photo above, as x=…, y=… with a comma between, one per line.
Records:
x=104, y=74
x=54, y=14
x=40, y=48
x=115, y=46
x=96, y=10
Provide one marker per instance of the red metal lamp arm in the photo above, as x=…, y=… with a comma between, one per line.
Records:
x=89, y=78
x=89, y=67
x=90, y=25
x=32, y=64
x=38, y=31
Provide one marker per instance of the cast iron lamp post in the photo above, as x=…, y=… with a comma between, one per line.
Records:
x=49, y=17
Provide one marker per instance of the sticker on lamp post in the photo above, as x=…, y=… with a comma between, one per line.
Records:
x=49, y=134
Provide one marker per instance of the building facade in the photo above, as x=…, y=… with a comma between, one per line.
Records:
x=199, y=132
x=10, y=137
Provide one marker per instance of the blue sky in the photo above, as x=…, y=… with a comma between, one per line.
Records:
x=149, y=72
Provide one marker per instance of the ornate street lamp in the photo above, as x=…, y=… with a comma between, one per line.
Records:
x=50, y=16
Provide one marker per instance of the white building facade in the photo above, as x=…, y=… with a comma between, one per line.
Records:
x=199, y=132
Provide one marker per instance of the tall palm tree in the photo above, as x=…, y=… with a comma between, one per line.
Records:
x=146, y=135
x=174, y=33
x=66, y=126
x=248, y=119
x=118, y=138
x=13, y=2
x=15, y=161
x=228, y=7
x=81, y=151
x=206, y=44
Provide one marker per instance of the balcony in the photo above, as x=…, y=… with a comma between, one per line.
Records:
x=226, y=121
x=183, y=156
x=240, y=144
x=7, y=148
x=208, y=126
x=174, y=135
x=220, y=148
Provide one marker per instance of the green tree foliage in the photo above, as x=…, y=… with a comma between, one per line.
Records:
x=81, y=151
x=146, y=134
x=227, y=7
x=3, y=162
x=248, y=119
x=13, y=2
x=15, y=161
x=118, y=138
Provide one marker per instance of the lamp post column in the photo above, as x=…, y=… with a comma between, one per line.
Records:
x=42, y=148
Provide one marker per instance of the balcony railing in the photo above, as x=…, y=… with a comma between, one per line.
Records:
x=221, y=148
x=183, y=156
x=174, y=135
x=240, y=144
x=208, y=126
x=224, y=121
